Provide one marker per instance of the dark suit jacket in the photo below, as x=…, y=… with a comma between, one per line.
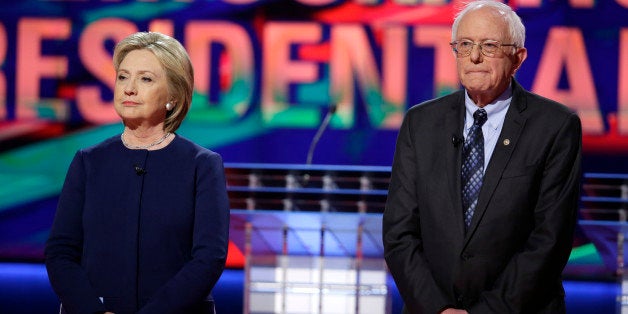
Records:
x=150, y=243
x=520, y=238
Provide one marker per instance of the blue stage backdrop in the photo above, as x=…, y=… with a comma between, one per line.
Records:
x=267, y=72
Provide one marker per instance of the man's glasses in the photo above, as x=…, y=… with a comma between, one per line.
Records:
x=488, y=48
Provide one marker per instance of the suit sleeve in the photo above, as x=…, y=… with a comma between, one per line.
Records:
x=210, y=242
x=64, y=248
x=403, y=248
x=531, y=275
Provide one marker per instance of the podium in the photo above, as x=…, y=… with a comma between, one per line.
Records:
x=311, y=237
x=603, y=218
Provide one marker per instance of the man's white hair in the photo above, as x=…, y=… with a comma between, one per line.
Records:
x=516, y=30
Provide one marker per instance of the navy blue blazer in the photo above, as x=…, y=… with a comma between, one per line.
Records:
x=146, y=231
x=511, y=258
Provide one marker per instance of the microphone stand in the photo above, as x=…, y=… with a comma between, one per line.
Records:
x=317, y=137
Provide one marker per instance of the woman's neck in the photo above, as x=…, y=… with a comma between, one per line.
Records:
x=142, y=138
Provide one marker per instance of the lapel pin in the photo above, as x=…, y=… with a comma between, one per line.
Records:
x=506, y=142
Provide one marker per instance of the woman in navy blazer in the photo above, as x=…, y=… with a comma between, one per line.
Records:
x=142, y=223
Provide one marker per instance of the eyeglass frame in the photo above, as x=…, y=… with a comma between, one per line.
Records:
x=454, y=43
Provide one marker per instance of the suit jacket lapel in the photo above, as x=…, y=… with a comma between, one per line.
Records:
x=453, y=154
x=508, y=138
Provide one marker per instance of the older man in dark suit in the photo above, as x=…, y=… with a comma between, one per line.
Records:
x=484, y=190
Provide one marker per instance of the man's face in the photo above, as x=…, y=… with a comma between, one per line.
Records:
x=485, y=78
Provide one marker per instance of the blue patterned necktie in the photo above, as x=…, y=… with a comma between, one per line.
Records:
x=473, y=166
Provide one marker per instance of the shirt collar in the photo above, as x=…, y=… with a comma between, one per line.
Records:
x=495, y=111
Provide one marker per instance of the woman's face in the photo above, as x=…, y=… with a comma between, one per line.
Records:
x=141, y=90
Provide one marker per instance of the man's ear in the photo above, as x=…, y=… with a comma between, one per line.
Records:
x=517, y=59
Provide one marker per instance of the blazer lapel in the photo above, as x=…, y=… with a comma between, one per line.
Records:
x=453, y=154
x=508, y=138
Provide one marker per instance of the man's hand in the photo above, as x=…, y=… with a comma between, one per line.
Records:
x=454, y=311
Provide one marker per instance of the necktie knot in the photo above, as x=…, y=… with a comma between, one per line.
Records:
x=479, y=117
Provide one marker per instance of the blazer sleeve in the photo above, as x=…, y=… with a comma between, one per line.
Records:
x=403, y=246
x=64, y=247
x=197, y=278
x=533, y=273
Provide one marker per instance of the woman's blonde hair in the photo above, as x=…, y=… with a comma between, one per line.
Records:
x=176, y=63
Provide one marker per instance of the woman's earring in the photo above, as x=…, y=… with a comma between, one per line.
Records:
x=168, y=106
